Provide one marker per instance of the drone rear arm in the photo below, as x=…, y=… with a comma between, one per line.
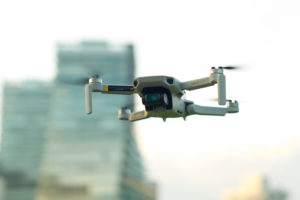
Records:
x=232, y=107
x=216, y=76
x=205, y=110
x=125, y=114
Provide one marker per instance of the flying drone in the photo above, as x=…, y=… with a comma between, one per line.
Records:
x=164, y=96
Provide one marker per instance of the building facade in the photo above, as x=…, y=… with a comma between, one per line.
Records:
x=51, y=150
x=25, y=118
x=95, y=156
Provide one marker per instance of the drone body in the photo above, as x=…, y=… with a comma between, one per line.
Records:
x=164, y=96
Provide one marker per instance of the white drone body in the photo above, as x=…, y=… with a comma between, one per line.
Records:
x=164, y=96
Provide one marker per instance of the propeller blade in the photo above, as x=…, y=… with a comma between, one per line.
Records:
x=232, y=67
x=78, y=81
x=216, y=100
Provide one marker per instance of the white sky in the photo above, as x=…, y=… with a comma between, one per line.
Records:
x=184, y=39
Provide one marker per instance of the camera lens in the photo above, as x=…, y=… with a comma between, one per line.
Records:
x=152, y=97
x=155, y=99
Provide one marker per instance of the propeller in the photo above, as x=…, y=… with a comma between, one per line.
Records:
x=232, y=67
x=216, y=100
x=78, y=81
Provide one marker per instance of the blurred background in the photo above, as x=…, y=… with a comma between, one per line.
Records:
x=51, y=150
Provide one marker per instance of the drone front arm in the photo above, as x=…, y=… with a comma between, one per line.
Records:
x=221, y=80
x=118, y=89
x=89, y=88
x=88, y=99
x=197, y=84
x=216, y=76
x=107, y=89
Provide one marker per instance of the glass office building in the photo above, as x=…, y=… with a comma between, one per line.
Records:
x=75, y=156
x=95, y=156
x=25, y=117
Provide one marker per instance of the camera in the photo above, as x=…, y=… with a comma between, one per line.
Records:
x=156, y=97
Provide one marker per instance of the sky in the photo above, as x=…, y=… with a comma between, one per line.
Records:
x=200, y=157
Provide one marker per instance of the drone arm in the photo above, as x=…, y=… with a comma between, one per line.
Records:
x=205, y=110
x=125, y=114
x=231, y=107
x=216, y=76
x=89, y=88
x=221, y=80
x=138, y=116
x=118, y=89
x=88, y=99
x=197, y=84
x=107, y=89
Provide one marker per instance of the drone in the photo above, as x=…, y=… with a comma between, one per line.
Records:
x=164, y=96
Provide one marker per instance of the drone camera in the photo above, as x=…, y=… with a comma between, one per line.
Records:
x=156, y=97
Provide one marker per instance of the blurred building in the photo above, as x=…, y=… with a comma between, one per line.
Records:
x=51, y=150
x=96, y=156
x=26, y=107
x=255, y=187
x=2, y=188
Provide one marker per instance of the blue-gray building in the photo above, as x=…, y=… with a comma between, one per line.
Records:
x=25, y=118
x=87, y=157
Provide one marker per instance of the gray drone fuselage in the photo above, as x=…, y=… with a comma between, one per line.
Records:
x=167, y=85
x=164, y=96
